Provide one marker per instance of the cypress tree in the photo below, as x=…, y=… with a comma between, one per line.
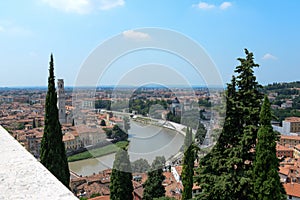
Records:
x=267, y=184
x=188, y=172
x=226, y=172
x=188, y=138
x=213, y=174
x=201, y=133
x=53, y=154
x=121, y=178
x=153, y=186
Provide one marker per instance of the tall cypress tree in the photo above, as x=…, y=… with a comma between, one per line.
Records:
x=188, y=138
x=121, y=178
x=225, y=173
x=188, y=172
x=53, y=154
x=213, y=174
x=153, y=186
x=267, y=184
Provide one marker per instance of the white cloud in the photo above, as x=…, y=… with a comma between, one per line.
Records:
x=205, y=6
x=83, y=6
x=225, y=5
x=73, y=6
x=1, y=28
x=269, y=56
x=109, y=4
x=135, y=35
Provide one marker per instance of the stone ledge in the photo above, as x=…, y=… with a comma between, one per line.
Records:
x=23, y=177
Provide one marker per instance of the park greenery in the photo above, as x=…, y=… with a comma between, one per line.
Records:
x=98, y=152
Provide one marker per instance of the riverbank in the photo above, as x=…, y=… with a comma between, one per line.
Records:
x=94, y=153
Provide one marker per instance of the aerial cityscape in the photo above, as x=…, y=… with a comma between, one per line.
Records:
x=118, y=99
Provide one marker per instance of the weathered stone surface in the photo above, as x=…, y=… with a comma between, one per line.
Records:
x=23, y=177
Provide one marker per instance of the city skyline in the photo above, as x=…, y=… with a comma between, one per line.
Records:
x=71, y=30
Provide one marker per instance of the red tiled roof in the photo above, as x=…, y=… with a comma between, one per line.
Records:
x=292, y=189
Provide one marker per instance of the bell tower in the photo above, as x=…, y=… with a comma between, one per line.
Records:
x=61, y=101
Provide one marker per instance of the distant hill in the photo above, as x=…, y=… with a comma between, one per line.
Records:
x=285, y=99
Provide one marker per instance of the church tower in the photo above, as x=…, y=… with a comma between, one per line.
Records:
x=61, y=101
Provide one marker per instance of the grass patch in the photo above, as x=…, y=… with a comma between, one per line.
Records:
x=112, y=148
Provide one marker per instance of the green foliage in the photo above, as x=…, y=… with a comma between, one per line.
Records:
x=116, y=133
x=225, y=172
x=164, y=198
x=53, y=155
x=153, y=186
x=188, y=171
x=204, y=102
x=103, y=104
x=33, y=123
x=94, y=153
x=173, y=118
x=188, y=139
x=102, y=123
x=140, y=166
x=121, y=178
x=265, y=167
x=142, y=106
x=126, y=123
x=95, y=195
x=200, y=134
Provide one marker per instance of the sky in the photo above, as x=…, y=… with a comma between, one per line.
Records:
x=74, y=29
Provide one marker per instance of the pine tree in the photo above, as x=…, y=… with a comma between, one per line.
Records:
x=213, y=175
x=225, y=173
x=53, y=154
x=267, y=184
x=188, y=172
x=121, y=178
x=248, y=99
x=153, y=186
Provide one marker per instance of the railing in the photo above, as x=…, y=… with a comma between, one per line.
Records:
x=23, y=177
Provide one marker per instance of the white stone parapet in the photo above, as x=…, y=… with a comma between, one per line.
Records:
x=23, y=177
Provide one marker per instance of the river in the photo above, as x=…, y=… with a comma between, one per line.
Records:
x=146, y=141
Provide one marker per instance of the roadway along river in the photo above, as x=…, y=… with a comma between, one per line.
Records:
x=146, y=141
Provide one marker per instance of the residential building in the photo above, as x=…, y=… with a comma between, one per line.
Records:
x=289, y=140
x=291, y=125
x=284, y=151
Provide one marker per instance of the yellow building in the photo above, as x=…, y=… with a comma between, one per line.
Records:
x=297, y=151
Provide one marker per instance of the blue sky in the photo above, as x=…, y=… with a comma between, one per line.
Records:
x=30, y=30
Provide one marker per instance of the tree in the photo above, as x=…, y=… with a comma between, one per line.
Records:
x=153, y=186
x=267, y=184
x=188, y=139
x=188, y=171
x=33, y=123
x=121, y=178
x=141, y=165
x=200, y=134
x=126, y=123
x=226, y=171
x=53, y=154
x=102, y=123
